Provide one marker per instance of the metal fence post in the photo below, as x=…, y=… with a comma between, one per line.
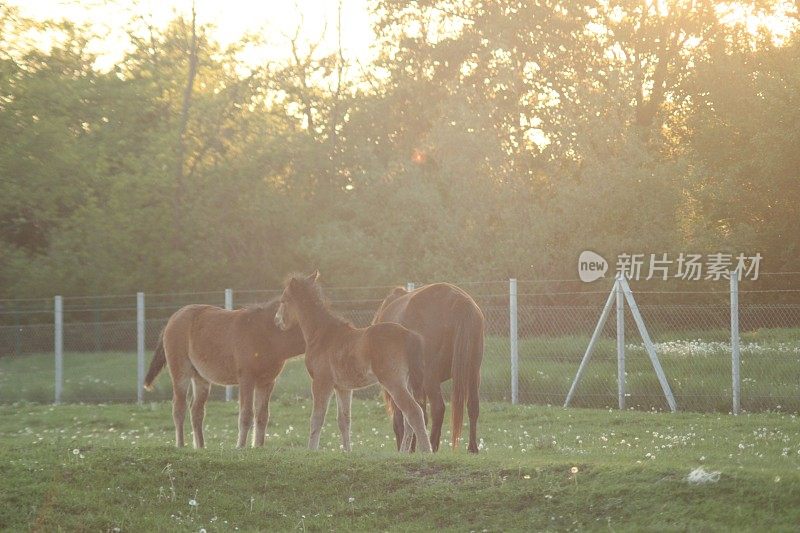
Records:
x=620, y=345
x=228, y=306
x=648, y=344
x=59, y=347
x=513, y=339
x=735, y=354
x=598, y=330
x=140, y=347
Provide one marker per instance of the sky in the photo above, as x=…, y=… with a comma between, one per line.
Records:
x=276, y=20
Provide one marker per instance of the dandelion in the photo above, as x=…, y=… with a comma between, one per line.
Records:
x=193, y=503
x=76, y=451
x=573, y=470
x=351, y=499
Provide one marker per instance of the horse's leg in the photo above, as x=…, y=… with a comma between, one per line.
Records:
x=423, y=405
x=473, y=409
x=180, y=389
x=321, y=390
x=409, y=443
x=245, y=411
x=407, y=446
x=433, y=391
x=261, y=408
x=344, y=398
x=200, y=390
x=397, y=424
x=412, y=414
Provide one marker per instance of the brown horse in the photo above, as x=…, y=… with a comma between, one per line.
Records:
x=203, y=344
x=451, y=324
x=341, y=357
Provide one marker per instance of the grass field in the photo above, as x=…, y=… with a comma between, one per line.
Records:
x=698, y=372
x=113, y=468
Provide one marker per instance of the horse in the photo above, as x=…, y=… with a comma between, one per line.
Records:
x=340, y=357
x=452, y=326
x=203, y=344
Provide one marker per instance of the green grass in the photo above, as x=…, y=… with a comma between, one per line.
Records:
x=101, y=467
x=698, y=372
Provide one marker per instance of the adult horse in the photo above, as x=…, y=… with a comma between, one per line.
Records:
x=451, y=324
x=203, y=344
x=341, y=357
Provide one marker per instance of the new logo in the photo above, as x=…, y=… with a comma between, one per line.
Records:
x=591, y=266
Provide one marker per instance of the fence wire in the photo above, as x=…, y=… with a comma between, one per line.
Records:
x=690, y=330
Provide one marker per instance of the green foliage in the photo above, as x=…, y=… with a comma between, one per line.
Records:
x=488, y=140
x=744, y=138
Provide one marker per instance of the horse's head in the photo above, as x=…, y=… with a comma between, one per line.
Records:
x=299, y=290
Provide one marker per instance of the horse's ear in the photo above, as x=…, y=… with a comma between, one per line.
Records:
x=292, y=283
x=314, y=276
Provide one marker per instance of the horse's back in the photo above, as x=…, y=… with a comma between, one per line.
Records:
x=434, y=311
x=385, y=330
x=202, y=321
x=203, y=335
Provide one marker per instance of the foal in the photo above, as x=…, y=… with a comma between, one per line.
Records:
x=341, y=357
x=203, y=344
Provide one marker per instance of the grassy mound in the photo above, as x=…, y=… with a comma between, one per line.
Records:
x=81, y=467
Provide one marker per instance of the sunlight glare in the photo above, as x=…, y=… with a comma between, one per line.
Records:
x=275, y=22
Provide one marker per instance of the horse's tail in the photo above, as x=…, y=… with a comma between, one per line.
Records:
x=416, y=365
x=466, y=365
x=158, y=362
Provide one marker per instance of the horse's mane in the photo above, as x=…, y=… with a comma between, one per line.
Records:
x=310, y=293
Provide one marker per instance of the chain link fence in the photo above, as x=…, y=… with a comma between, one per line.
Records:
x=690, y=330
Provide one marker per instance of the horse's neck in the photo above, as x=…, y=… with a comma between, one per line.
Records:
x=315, y=324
